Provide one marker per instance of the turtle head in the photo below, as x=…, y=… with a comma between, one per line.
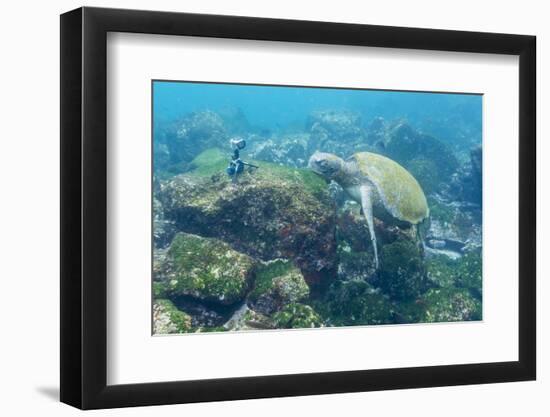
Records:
x=327, y=165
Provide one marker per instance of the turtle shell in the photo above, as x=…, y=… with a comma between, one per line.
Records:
x=399, y=191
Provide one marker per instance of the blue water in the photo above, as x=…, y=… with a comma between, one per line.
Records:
x=275, y=107
x=237, y=164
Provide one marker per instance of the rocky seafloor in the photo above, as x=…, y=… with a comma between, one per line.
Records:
x=282, y=249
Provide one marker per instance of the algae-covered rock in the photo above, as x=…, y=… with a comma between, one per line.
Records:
x=355, y=251
x=457, y=225
x=196, y=132
x=246, y=319
x=297, y=316
x=277, y=283
x=402, y=271
x=273, y=212
x=449, y=304
x=464, y=272
x=355, y=303
x=168, y=319
x=163, y=230
x=176, y=143
x=289, y=150
x=467, y=183
x=340, y=132
x=206, y=269
x=470, y=273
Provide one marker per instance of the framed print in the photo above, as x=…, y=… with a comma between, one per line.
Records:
x=257, y=207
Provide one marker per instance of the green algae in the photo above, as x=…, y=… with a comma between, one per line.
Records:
x=279, y=279
x=440, y=212
x=214, y=161
x=168, y=319
x=449, y=304
x=207, y=269
x=402, y=269
x=354, y=303
x=464, y=272
x=297, y=316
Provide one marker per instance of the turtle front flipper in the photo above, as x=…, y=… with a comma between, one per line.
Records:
x=366, y=205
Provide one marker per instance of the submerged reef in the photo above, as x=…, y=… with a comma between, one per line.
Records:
x=277, y=283
x=168, y=319
x=176, y=145
x=280, y=248
x=429, y=160
x=206, y=269
x=275, y=212
x=338, y=132
x=355, y=302
x=402, y=271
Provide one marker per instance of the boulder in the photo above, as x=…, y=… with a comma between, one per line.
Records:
x=185, y=138
x=467, y=183
x=296, y=316
x=168, y=319
x=464, y=272
x=277, y=284
x=206, y=269
x=454, y=226
x=354, y=303
x=447, y=305
x=270, y=213
x=402, y=273
x=355, y=251
x=289, y=150
x=338, y=132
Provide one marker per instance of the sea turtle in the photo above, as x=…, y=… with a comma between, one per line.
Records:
x=379, y=184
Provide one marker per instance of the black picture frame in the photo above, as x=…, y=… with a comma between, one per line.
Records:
x=84, y=207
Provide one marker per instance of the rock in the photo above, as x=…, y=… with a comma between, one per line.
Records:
x=355, y=251
x=402, y=270
x=377, y=132
x=291, y=150
x=189, y=136
x=449, y=304
x=434, y=252
x=247, y=319
x=337, y=194
x=436, y=244
x=465, y=272
x=467, y=183
x=341, y=133
x=163, y=230
x=441, y=270
x=277, y=283
x=470, y=273
x=206, y=269
x=234, y=120
x=274, y=212
x=161, y=156
x=237, y=322
x=204, y=314
x=354, y=303
x=429, y=160
x=168, y=319
x=457, y=225
x=297, y=316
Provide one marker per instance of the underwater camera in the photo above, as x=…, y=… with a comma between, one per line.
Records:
x=239, y=143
